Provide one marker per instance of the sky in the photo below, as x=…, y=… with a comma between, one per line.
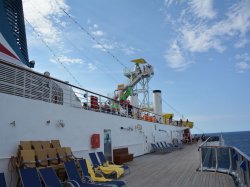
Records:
x=200, y=51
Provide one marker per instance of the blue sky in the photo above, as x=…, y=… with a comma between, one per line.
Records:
x=199, y=50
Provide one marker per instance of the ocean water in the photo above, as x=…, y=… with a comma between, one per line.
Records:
x=241, y=140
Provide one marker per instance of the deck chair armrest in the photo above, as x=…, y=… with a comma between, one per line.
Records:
x=98, y=173
x=25, y=163
x=72, y=182
x=49, y=159
x=29, y=162
x=39, y=161
x=96, y=166
x=105, y=165
x=88, y=179
x=62, y=158
x=111, y=162
x=42, y=165
x=77, y=158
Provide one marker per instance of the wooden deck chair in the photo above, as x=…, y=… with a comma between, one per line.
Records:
x=69, y=154
x=91, y=176
x=36, y=145
x=25, y=145
x=2, y=180
x=52, y=157
x=42, y=158
x=46, y=144
x=55, y=143
x=61, y=154
x=53, y=160
x=107, y=171
x=27, y=158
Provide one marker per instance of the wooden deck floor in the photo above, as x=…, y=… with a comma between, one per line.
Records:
x=176, y=169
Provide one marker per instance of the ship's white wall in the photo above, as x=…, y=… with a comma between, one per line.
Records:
x=38, y=120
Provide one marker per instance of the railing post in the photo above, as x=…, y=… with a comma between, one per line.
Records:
x=100, y=104
x=201, y=158
x=87, y=100
x=230, y=160
x=247, y=173
x=50, y=92
x=216, y=159
x=126, y=110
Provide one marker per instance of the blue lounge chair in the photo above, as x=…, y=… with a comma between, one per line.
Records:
x=164, y=149
x=156, y=149
x=176, y=143
x=166, y=146
x=73, y=175
x=50, y=178
x=108, y=172
x=87, y=176
x=30, y=177
x=94, y=160
x=171, y=146
x=104, y=161
x=2, y=180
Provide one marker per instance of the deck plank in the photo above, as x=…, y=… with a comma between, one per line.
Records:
x=175, y=169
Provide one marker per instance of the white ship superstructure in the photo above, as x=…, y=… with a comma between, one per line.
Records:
x=35, y=106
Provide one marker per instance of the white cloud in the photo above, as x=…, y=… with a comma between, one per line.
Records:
x=242, y=66
x=106, y=44
x=200, y=36
x=241, y=43
x=169, y=82
x=95, y=26
x=175, y=57
x=170, y=2
x=243, y=57
x=98, y=33
x=203, y=8
x=103, y=46
x=67, y=60
x=243, y=63
x=91, y=67
x=44, y=16
x=129, y=50
x=200, y=39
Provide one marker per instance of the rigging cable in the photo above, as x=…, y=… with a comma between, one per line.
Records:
x=105, y=48
x=53, y=53
x=77, y=48
x=92, y=37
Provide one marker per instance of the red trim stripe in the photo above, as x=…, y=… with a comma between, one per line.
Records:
x=7, y=52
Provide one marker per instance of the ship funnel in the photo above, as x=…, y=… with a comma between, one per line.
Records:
x=134, y=100
x=157, y=106
x=13, y=44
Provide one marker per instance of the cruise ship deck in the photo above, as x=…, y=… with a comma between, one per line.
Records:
x=175, y=169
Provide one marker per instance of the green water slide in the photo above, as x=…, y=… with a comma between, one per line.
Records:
x=126, y=94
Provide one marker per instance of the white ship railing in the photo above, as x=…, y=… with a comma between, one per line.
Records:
x=23, y=82
x=225, y=159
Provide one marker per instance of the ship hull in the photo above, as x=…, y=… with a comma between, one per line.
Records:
x=28, y=119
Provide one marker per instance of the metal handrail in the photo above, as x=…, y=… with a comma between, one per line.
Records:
x=203, y=143
x=228, y=159
x=62, y=94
